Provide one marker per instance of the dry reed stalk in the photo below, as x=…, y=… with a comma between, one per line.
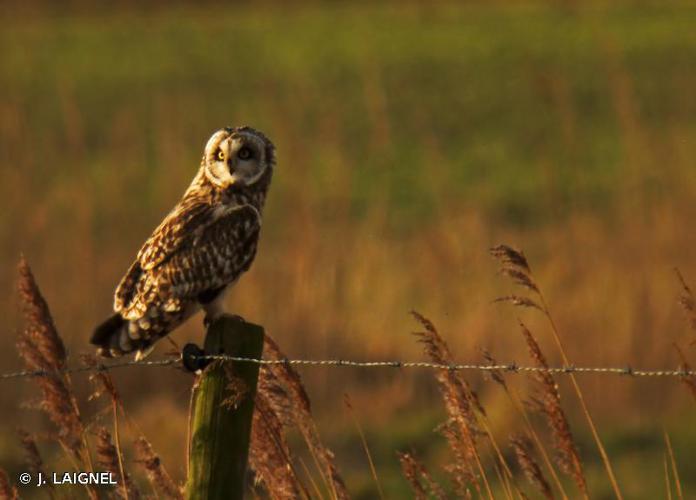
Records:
x=57, y=403
x=498, y=377
x=109, y=459
x=504, y=481
x=520, y=301
x=42, y=349
x=673, y=461
x=419, y=478
x=308, y=475
x=145, y=455
x=517, y=404
x=495, y=375
x=158, y=476
x=502, y=466
x=7, y=492
x=119, y=451
x=461, y=403
x=373, y=470
x=32, y=457
x=688, y=380
x=279, y=415
x=104, y=385
x=39, y=326
x=501, y=463
x=550, y=406
x=269, y=453
x=668, y=484
x=292, y=402
x=508, y=485
x=687, y=300
x=515, y=265
x=529, y=466
x=462, y=471
x=688, y=304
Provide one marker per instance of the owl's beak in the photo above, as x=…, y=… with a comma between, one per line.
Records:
x=234, y=177
x=232, y=166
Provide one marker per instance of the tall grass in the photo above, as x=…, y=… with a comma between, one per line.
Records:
x=479, y=466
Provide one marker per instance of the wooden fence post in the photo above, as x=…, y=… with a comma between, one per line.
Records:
x=220, y=432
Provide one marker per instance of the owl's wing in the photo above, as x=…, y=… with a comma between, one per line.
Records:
x=185, y=220
x=206, y=258
x=216, y=257
x=126, y=288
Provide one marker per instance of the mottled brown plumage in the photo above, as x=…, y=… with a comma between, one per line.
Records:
x=201, y=248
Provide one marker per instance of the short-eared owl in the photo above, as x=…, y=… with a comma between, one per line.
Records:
x=199, y=250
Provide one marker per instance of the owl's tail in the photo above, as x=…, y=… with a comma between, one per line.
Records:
x=112, y=339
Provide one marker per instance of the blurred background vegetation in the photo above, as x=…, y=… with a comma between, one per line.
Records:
x=411, y=137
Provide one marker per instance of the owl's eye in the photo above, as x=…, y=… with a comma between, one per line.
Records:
x=220, y=156
x=244, y=153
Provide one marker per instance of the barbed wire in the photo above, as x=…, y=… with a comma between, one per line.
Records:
x=508, y=368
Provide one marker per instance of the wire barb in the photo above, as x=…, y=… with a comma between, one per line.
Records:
x=509, y=368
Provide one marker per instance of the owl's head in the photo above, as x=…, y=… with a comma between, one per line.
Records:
x=237, y=157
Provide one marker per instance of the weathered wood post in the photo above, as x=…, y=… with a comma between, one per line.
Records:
x=220, y=432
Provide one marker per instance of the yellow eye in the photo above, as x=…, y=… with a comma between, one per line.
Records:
x=220, y=156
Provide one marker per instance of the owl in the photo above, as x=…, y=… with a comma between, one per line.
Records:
x=198, y=251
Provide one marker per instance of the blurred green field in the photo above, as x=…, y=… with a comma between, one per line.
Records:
x=411, y=137
x=495, y=105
